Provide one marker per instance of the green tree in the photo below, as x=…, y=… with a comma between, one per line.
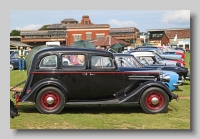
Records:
x=44, y=27
x=15, y=33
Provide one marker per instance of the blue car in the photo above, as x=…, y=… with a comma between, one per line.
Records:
x=173, y=84
x=130, y=61
x=14, y=61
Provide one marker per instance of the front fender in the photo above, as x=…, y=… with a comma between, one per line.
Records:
x=31, y=96
x=135, y=95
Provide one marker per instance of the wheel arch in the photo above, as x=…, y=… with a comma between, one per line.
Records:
x=31, y=96
x=136, y=94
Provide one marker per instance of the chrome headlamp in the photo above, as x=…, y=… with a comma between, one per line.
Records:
x=165, y=77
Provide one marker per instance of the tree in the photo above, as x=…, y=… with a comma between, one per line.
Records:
x=44, y=27
x=15, y=33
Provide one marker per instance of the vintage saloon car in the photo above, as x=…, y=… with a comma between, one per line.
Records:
x=64, y=75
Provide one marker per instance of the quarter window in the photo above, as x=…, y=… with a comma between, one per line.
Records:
x=48, y=62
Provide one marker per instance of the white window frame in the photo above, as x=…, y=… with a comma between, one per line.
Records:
x=77, y=37
x=99, y=35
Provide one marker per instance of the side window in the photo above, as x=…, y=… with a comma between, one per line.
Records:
x=146, y=59
x=101, y=62
x=48, y=62
x=73, y=60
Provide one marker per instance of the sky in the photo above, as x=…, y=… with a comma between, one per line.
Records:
x=140, y=19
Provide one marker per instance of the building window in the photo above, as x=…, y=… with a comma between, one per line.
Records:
x=77, y=37
x=99, y=35
x=86, y=22
x=88, y=35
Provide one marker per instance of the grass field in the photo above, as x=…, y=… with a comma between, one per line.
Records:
x=104, y=116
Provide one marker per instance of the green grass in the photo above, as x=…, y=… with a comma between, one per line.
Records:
x=124, y=116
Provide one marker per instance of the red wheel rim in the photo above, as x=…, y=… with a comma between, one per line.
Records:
x=50, y=100
x=155, y=100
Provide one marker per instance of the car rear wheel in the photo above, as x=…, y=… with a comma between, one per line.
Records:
x=50, y=100
x=154, y=100
x=12, y=67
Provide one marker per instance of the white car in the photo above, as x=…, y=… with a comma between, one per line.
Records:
x=152, y=58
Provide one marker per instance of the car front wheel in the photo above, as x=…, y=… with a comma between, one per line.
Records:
x=154, y=100
x=50, y=100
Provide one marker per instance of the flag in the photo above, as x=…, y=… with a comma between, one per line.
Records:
x=175, y=38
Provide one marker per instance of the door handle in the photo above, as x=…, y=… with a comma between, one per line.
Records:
x=91, y=74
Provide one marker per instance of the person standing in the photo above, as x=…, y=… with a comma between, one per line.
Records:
x=21, y=55
x=28, y=50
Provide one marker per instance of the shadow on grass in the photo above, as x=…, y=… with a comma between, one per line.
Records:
x=185, y=83
x=90, y=109
x=179, y=90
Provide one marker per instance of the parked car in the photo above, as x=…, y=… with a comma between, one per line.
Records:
x=175, y=55
x=14, y=60
x=148, y=55
x=179, y=48
x=128, y=60
x=150, y=60
x=164, y=54
x=51, y=84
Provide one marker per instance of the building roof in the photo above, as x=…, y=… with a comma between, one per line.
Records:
x=43, y=32
x=153, y=30
x=180, y=33
x=126, y=29
x=107, y=41
x=69, y=20
x=79, y=26
x=56, y=26
x=18, y=44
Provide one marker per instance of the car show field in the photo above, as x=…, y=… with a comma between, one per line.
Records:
x=104, y=116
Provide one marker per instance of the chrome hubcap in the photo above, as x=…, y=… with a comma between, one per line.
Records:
x=50, y=100
x=154, y=100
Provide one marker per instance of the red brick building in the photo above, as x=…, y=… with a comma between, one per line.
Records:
x=68, y=31
x=85, y=30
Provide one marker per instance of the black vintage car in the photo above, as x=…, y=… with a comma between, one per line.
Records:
x=63, y=75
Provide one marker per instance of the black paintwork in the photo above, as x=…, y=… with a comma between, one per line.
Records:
x=84, y=84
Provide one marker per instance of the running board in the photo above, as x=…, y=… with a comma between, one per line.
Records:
x=114, y=101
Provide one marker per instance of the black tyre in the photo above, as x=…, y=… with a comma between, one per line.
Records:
x=154, y=100
x=12, y=67
x=50, y=100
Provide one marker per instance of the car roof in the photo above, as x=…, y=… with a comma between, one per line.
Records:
x=73, y=49
x=142, y=53
x=148, y=46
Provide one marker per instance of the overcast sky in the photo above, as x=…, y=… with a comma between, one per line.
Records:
x=141, y=19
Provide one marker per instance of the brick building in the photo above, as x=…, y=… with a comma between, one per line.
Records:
x=166, y=37
x=66, y=32
x=128, y=34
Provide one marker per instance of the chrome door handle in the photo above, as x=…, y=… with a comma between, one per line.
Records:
x=91, y=74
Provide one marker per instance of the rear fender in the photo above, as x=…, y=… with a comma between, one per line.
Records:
x=135, y=95
x=31, y=96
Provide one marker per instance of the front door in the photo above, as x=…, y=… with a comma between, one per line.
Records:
x=104, y=79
